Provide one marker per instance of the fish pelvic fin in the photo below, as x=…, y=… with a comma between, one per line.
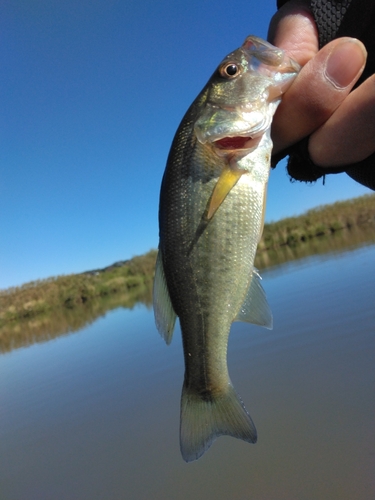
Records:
x=227, y=180
x=165, y=317
x=255, y=308
x=204, y=418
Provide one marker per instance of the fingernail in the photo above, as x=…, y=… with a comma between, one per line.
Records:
x=345, y=62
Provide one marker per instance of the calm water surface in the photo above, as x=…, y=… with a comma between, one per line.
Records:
x=95, y=415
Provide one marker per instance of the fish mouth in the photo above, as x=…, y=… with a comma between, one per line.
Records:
x=237, y=143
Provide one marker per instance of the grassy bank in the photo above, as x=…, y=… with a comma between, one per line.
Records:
x=320, y=221
x=285, y=240
x=63, y=320
x=323, y=229
x=44, y=296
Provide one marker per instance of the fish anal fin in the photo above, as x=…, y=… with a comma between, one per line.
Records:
x=205, y=419
x=255, y=308
x=165, y=317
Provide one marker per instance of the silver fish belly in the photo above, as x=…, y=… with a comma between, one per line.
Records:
x=211, y=213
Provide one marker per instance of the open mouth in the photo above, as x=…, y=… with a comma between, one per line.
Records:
x=233, y=143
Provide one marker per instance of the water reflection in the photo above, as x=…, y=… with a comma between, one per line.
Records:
x=96, y=414
x=345, y=239
x=63, y=321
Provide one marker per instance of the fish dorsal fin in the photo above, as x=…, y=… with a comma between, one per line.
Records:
x=255, y=308
x=165, y=317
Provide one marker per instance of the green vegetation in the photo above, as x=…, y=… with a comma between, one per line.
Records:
x=337, y=241
x=44, y=296
x=43, y=309
x=320, y=221
x=63, y=320
x=297, y=237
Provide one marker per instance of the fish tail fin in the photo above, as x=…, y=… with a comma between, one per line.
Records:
x=204, y=418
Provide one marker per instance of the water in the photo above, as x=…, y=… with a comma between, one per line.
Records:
x=95, y=414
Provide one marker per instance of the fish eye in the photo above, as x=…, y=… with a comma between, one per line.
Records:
x=230, y=70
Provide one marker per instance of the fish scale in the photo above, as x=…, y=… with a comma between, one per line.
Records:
x=210, y=218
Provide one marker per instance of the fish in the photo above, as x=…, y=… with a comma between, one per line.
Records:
x=211, y=213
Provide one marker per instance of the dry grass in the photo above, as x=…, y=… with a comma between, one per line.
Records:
x=323, y=220
x=41, y=297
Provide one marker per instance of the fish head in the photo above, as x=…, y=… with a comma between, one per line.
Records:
x=242, y=96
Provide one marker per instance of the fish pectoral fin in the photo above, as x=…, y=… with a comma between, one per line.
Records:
x=227, y=180
x=255, y=308
x=203, y=420
x=165, y=317
x=263, y=211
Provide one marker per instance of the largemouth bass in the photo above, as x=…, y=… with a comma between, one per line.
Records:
x=212, y=205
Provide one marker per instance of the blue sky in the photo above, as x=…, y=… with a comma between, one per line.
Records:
x=91, y=93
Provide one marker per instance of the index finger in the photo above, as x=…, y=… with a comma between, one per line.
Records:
x=293, y=29
x=324, y=81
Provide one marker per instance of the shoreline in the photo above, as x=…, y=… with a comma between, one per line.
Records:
x=338, y=226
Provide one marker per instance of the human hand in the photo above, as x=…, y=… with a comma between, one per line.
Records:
x=341, y=124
